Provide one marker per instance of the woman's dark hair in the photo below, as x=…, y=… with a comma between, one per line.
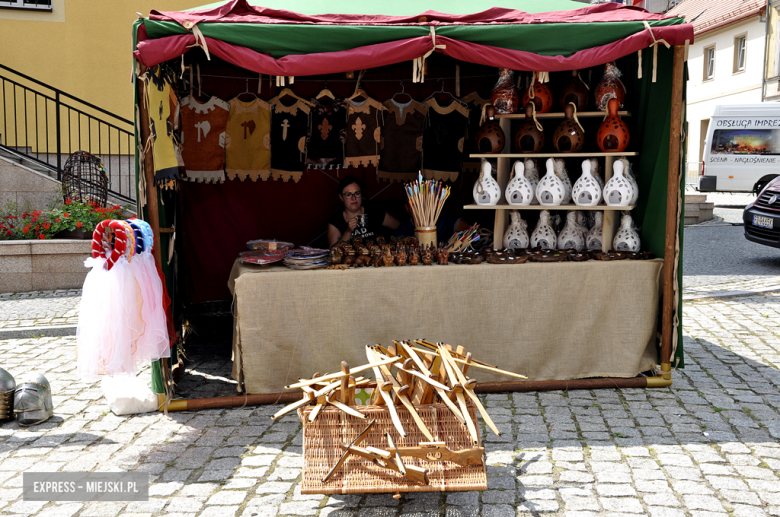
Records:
x=347, y=181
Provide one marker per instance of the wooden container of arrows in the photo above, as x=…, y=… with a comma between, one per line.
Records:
x=377, y=456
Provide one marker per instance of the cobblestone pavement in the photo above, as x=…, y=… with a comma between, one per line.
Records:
x=39, y=308
x=709, y=446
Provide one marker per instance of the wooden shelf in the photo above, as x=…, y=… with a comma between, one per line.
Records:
x=581, y=114
x=552, y=155
x=540, y=207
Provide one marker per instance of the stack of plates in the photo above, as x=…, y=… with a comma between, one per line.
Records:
x=270, y=244
x=260, y=257
x=307, y=258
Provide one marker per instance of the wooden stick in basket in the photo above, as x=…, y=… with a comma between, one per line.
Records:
x=475, y=364
x=359, y=438
x=401, y=393
x=469, y=389
x=442, y=394
x=438, y=451
x=457, y=389
x=338, y=375
x=385, y=396
x=385, y=459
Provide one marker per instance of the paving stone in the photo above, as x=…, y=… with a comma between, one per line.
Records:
x=621, y=504
x=703, y=502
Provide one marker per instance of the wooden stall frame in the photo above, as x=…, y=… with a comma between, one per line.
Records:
x=668, y=303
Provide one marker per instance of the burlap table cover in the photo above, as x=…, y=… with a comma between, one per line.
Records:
x=550, y=321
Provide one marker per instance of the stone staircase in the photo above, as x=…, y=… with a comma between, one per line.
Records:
x=697, y=209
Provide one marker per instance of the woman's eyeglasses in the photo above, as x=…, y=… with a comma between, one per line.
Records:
x=350, y=195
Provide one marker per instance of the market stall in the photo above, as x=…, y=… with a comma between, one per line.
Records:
x=553, y=321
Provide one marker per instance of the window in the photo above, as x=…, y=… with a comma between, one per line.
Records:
x=740, y=43
x=709, y=63
x=745, y=141
x=38, y=5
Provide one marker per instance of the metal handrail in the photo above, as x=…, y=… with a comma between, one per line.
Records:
x=31, y=118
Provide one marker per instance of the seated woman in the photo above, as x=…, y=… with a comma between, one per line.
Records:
x=343, y=225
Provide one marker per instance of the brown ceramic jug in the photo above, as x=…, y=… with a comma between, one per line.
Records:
x=528, y=137
x=490, y=138
x=505, y=98
x=613, y=135
x=542, y=96
x=610, y=84
x=574, y=91
x=569, y=136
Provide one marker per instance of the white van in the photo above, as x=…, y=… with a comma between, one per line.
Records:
x=742, y=148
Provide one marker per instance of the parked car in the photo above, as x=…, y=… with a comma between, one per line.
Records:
x=742, y=148
x=762, y=216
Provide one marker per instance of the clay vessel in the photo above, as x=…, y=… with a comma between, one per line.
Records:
x=574, y=90
x=516, y=236
x=618, y=191
x=520, y=192
x=550, y=191
x=593, y=237
x=571, y=237
x=626, y=238
x=610, y=84
x=528, y=137
x=542, y=96
x=569, y=137
x=586, y=191
x=613, y=135
x=544, y=236
x=490, y=137
x=505, y=98
x=486, y=190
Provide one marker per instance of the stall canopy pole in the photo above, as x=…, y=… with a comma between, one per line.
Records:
x=151, y=189
x=672, y=224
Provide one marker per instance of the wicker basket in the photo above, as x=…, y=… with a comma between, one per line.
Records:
x=357, y=475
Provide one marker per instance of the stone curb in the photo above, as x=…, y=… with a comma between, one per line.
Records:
x=729, y=294
x=29, y=332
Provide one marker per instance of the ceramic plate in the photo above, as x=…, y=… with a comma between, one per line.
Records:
x=261, y=257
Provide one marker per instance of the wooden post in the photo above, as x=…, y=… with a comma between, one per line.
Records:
x=672, y=225
x=151, y=191
x=503, y=168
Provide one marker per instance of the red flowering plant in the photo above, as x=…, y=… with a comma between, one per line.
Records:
x=17, y=224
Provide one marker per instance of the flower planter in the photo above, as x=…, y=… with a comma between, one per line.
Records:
x=74, y=234
x=42, y=265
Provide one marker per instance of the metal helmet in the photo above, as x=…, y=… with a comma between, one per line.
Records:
x=7, y=385
x=32, y=400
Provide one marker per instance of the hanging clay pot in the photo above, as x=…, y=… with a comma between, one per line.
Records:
x=544, y=235
x=618, y=191
x=516, y=236
x=563, y=175
x=540, y=95
x=519, y=191
x=613, y=135
x=550, y=190
x=575, y=90
x=586, y=191
x=529, y=136
x=626, y=238
x=569, y=136
x=610, y=84
x=593, y=237
x=571, y=237
x=486, y=190
x=490, y=137
x=505, y=98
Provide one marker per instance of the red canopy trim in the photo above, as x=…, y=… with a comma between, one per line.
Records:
x=156, y=51
x=240, y=11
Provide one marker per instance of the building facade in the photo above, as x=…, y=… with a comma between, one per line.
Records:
x=725, y=63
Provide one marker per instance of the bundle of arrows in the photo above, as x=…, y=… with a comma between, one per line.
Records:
x=425, y=373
